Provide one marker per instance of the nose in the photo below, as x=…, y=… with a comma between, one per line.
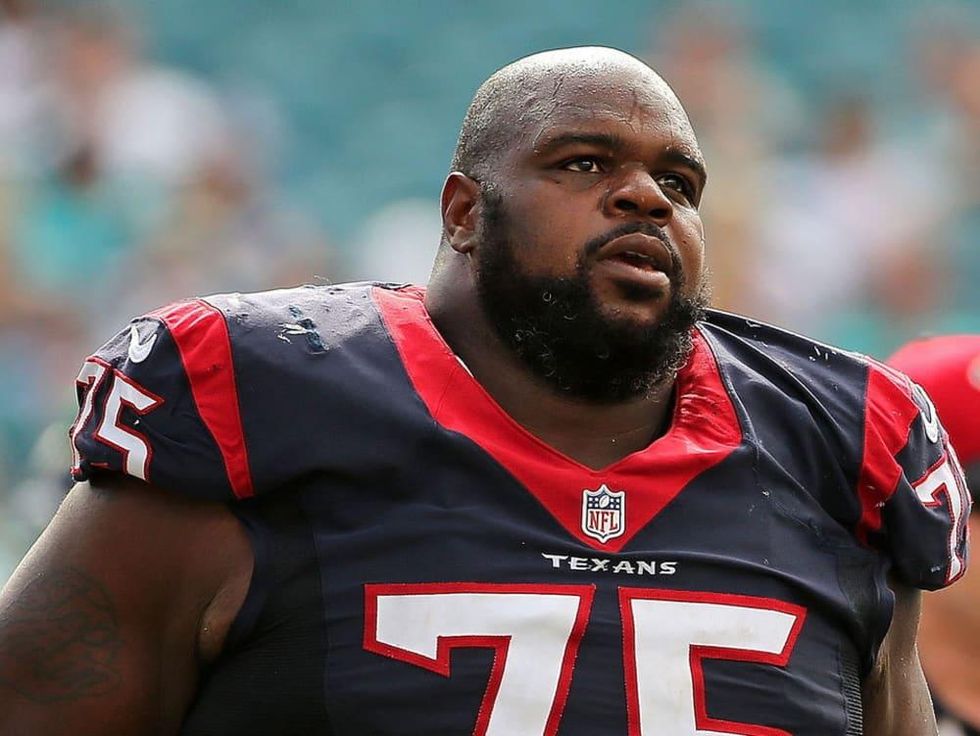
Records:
x=637, y=194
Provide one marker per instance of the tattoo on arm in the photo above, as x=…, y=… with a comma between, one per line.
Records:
x=59, y=639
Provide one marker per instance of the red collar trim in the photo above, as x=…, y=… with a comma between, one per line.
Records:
x=703, y=432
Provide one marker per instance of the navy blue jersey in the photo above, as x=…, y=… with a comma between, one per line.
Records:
x=424, y=565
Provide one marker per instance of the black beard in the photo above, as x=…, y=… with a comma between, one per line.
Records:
x=556, y=327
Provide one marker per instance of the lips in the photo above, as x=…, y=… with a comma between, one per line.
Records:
x=640, y=251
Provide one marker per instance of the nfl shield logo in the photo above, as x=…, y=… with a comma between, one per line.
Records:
x=603, y=513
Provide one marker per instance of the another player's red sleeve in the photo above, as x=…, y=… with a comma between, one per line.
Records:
x=159, y=402
x=914, y=501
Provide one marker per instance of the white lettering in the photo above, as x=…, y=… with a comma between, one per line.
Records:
x=611, y=565
x=555, y=559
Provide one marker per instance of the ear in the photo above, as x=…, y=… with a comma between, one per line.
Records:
x=460, y=211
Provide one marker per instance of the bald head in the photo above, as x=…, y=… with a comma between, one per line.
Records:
x=515, y=100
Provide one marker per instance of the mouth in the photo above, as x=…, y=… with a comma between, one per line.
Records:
x=638, y=250
x=637, y=260
x=638, y=255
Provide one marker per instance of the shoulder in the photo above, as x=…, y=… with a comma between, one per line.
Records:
x=207, y=337
x=869, y=420
x=178, y=396
x=887, y=399
x=790, y=377
x=773, y=351
x=800, y=366
x=329, y=310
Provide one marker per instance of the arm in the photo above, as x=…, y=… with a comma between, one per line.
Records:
x=896, y=698
x=108, y=619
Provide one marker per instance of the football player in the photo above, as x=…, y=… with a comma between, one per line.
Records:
x=948, y=367
x=551, y=493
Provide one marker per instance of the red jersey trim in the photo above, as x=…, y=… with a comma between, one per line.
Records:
x=201, y=334
x=704, y=428
x=889, y=414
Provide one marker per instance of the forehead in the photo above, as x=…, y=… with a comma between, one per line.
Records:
x=639, y=108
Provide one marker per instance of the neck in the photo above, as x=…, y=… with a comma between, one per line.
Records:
x=594, y=435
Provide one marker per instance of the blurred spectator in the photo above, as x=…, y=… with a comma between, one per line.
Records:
x=949, y=631
x=61, y=250
x=72, y=228
x=846, y=225
x=398, y=242
x=153, y=196
x=945, y=58
x=225, y=231
x=138, y=118
x=25, y=94
x=964, y=232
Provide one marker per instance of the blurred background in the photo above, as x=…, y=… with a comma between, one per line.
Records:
x=152, y=150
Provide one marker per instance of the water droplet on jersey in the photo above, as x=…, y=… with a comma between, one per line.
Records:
x=305, y=328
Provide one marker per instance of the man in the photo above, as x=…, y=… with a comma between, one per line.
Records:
x=550, y=494
x=948, y=367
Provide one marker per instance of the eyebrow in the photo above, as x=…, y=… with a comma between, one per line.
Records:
x=615, y=142
x=605, y=140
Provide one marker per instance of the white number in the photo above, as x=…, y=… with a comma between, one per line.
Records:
x=89, y=379
x=946, y=477
x=536, y=630
x=123, y=391
x=669, y=633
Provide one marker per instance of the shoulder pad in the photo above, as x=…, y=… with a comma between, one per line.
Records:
x=159, y=402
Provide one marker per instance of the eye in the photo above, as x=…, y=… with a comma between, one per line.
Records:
x=584, y=165
x=679, y=184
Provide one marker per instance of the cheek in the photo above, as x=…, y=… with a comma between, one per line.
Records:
x=691, y=247
x=548, y=235
x=551, y=251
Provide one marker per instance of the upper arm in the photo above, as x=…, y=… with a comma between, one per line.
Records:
x=915, y=509
x=896, y=697
x=100, y=624
x=106, y=621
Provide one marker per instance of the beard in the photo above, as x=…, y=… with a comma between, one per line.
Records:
x=556, y=326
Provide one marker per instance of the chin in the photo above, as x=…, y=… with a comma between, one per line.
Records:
x=641, y=308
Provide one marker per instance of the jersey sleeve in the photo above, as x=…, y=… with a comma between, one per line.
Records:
x=913, y=495
x=159, y=402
